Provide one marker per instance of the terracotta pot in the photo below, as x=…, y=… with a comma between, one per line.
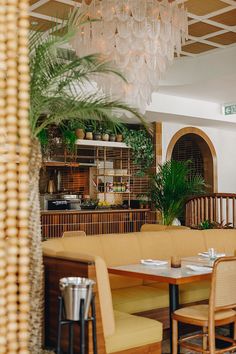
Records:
x=105, y=137
x=119, y=138
x=80, y=133
x=89, y=136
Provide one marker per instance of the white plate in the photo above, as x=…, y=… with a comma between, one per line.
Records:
x=152, y=262
x=206, y=255
x=197, y=268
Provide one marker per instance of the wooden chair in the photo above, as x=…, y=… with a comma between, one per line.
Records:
x=219, y=312
x=73, y=233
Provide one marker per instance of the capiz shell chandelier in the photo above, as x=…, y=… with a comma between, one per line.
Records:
x=139, y=36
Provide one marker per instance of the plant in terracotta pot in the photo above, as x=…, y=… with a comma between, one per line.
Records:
x=79, y=130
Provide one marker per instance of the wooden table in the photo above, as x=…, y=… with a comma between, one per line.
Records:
x=165, y=274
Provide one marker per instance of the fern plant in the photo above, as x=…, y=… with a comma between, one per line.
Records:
x=172, y=186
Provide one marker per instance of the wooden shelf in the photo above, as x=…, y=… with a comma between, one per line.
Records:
x=101, y=143
x=60, y=164
x=113, y=192
x=103, y=175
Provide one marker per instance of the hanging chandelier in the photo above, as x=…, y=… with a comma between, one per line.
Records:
x=140, y=36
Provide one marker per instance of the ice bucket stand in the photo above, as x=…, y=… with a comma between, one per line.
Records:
x=62, y=321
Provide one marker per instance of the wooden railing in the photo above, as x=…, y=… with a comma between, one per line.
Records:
x=218, y=207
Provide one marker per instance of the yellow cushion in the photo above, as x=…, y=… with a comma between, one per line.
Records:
x=132, y=332
x=139, y=298
x=200, y=312
x=188, y=293
x=121, y=249
x=156, y=245
x=160, y=227
x=187, y=242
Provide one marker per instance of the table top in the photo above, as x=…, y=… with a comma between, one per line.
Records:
x=165, y=273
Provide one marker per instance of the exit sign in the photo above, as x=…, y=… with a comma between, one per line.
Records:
x=229, y=109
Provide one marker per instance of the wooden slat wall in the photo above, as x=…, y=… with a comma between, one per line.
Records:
x=94, y=223
x=72, y=179
x=218, y=207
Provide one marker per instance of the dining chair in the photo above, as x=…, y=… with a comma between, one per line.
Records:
x=219, y=311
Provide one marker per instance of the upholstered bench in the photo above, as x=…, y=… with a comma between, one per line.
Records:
x=134, y=296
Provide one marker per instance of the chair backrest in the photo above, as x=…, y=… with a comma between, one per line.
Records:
x=73, y=233
x=223, y=286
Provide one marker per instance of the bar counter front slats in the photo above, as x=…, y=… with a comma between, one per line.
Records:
x=94, y=222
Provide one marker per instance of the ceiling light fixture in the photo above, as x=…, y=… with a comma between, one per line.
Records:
x=140, y=36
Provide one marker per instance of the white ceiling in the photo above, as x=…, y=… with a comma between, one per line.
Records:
x=208, y=77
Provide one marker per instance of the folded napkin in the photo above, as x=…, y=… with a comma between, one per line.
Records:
x=197, y=268
x=206, y=254
x=155, y=262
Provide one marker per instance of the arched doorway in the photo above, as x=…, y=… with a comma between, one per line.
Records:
x=193, y=144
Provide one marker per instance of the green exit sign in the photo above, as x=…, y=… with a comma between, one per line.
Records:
x=229, y=109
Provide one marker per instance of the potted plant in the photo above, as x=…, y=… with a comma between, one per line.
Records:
x=171, y=186
x=97, y=130
x=79, y=130
x=105, y=135
x=112, y=136
x=89, y=132
x=143, y=201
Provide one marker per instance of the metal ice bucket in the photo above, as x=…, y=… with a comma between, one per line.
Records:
x=73, y=290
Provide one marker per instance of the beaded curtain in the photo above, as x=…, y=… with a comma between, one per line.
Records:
x=14, y=180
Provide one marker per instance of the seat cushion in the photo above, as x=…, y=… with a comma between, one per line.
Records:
x=139, y=298
x=200, y=312
x=132, y=332
x=188, y=293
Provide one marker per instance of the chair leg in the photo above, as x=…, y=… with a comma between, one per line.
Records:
x=174, y=337
x=204, y=338
x=235, y=330
x=211, y=336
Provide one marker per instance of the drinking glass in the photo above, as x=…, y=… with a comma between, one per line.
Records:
x=212, y=253
x=175, y=262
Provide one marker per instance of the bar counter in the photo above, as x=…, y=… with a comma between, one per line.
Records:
x=94, y=222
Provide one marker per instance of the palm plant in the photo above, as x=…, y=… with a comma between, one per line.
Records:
x=59, y=94
x=172, y=186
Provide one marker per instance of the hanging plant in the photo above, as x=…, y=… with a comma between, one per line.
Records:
x=141, y=148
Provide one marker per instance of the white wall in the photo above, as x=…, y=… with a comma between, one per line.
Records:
x=224, y=141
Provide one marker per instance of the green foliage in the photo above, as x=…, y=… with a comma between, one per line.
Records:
x=141, y=147
x=207, y=224
x=171, y=187
x=59, y=81
x=69, y=139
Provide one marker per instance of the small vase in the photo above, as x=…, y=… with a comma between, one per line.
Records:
x=112, y=137
x=97, y=136
x=80, y=133
x=119, y=138
x=89, y=136
x=105, y=137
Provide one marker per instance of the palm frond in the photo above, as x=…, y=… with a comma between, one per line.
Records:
x=171, y=187
x=59, y=80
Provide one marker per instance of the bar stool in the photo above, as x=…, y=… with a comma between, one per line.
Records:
x=62, y=321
